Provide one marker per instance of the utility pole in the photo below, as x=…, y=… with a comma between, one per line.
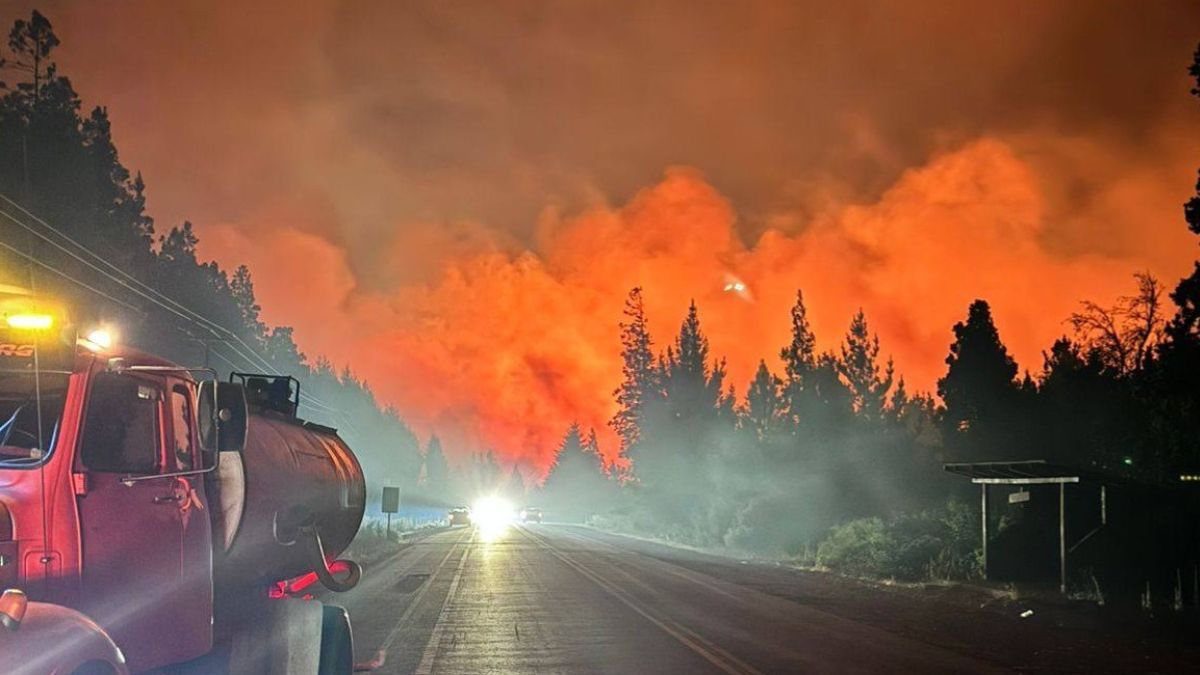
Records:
x=207, y=342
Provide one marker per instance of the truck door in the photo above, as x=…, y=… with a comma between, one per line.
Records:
x=132, y=534
x=194, y=615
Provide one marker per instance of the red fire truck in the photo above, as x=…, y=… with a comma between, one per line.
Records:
x=153, y=518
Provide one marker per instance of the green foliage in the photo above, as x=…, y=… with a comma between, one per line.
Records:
x=933, y=544
x=862, y=547
x=780, y=524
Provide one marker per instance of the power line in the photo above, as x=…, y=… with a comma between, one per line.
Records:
x=92, y=266
x=60, y=273
x=254, y=359
x=309, y=399
x=161, y=300
x=205, y=322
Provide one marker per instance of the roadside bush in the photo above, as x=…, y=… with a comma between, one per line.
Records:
x=959, y=556
x=934, y=544
x=860, y=547
x=775, y=525
x=635, y=518
x=758, y=528
x=785, y=523
x=911, y=556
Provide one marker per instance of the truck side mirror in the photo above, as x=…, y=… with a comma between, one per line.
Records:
x=222, y=418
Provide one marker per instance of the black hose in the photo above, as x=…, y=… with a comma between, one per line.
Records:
x=321, y=567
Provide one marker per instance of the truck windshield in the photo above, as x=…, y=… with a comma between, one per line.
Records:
x=19, y=413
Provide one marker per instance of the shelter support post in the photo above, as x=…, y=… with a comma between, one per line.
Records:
x=983, y=510
x=1062, y=537
x=1103, y=504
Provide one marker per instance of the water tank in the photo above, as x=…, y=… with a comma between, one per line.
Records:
x=291, y=479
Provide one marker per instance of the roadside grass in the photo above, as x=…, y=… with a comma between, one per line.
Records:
x=935, y=545
x=373, y=543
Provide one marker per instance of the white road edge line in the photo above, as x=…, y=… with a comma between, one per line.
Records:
x=435, y=638
x=416, y=601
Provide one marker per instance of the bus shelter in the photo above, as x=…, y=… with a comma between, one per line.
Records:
x=1024, y=475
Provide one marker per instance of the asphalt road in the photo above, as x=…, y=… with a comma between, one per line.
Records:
x=561, y=599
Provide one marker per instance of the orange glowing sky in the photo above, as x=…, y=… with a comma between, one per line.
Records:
x=476, y=186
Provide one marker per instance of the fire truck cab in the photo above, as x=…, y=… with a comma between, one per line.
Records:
x=112, y=512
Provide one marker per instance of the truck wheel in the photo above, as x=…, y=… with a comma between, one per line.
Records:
x=337, y=642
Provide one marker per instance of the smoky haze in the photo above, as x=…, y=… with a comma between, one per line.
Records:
x=474, y=187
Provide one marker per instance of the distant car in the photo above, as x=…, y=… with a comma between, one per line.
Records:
x=531, y=514
x=460, y=516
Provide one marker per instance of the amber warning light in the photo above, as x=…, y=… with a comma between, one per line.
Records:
x=30, y=321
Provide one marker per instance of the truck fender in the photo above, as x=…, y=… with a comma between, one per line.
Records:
x=60, y=641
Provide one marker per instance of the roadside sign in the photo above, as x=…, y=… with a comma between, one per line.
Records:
x=1018, y=497
x=391, y=500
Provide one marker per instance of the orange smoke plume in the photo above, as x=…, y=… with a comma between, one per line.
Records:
x=505, y=348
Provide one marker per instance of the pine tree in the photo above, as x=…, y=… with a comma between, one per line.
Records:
x=31, y=43
x=980, y=372
x=1088, y=414
x=436, y=470
x=900, y=400
x=1184, y=330
x=576, y=485
x=179, y=245
x=692, y=389
x=859, y=367
x=979, y=388
x=1186, y=326
x=115, y=204
x=281, y=349
x=800, y=356
x=1177, y=432
x=592, y=445
x=815, y=400
x=764, y=403
x=638, y=371
x=241, y=287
